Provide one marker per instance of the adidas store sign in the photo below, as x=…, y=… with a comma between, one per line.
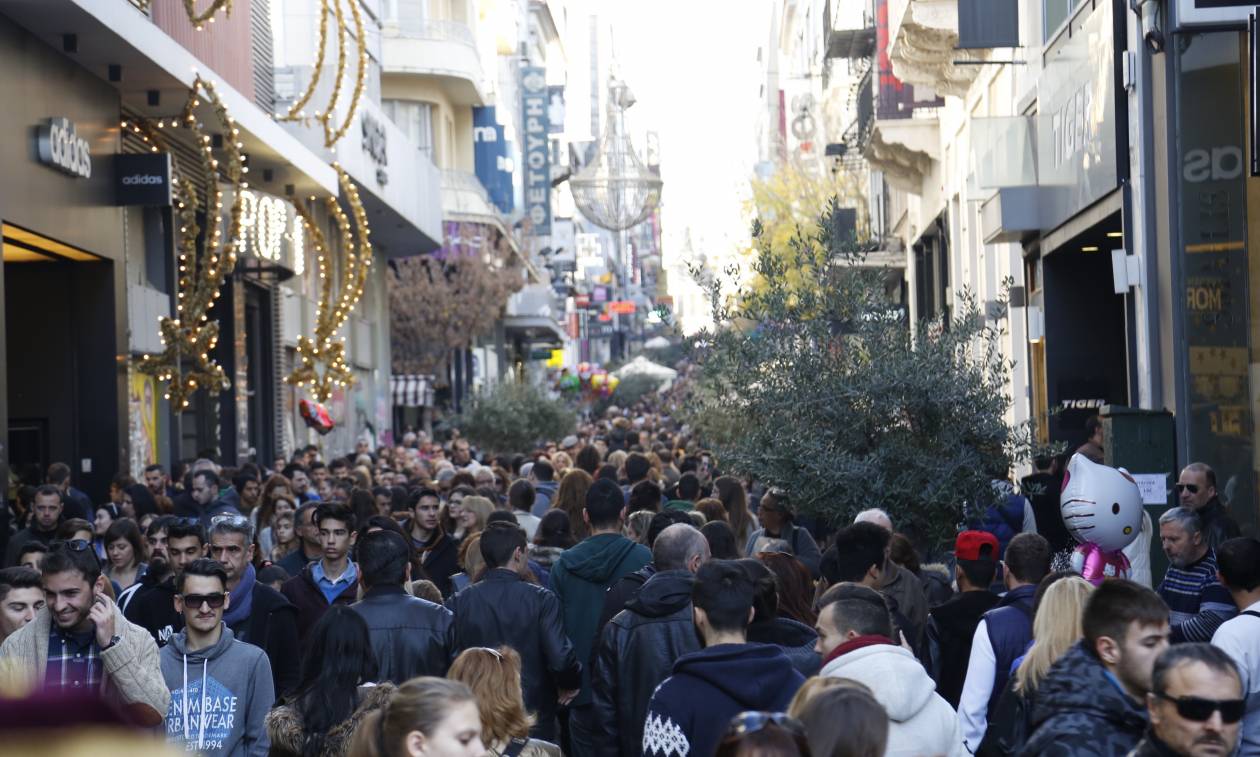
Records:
x=61, y=147
x=143, y=179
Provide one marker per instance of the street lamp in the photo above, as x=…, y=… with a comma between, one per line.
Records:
x=616, y=190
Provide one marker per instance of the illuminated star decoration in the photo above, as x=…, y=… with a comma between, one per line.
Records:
x=189, y=337
x=199, y=19
x=327, y=116
x=324, y=351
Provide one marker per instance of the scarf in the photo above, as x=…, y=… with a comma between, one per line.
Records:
x=242, y=598
x=856, y=643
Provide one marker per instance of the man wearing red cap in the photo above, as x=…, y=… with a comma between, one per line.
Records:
x=952, y=625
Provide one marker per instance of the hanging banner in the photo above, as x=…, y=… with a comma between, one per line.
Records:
x=536, y=125
x=142, y=431
x=490, y=158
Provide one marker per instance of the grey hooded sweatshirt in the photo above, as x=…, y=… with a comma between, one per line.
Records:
x=220, y=696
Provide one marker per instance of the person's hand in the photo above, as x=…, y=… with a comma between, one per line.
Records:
x=102, y=614
x=568, y=696
x=904, y=644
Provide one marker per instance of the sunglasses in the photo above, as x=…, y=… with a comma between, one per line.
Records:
x=195, y=601
x=74, y=545
x=751, y=722
x=1192, y=488
x=230, y=519
x=1199, y=709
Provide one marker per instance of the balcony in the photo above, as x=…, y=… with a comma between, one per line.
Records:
x=441, y=50
x=924, y=46
x=535, y=313
x=903, y=150
x=848, y=30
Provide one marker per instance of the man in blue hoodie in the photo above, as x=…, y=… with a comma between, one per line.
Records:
x=581, y=578
x=221, y=688
x=690, y=711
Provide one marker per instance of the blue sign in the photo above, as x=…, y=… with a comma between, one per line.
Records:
x=490, y=158
x=535, y=125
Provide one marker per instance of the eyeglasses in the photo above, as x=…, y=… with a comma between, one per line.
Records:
x=195, y=601
x=1192, y=488
x=74, y=545
x=1199, y=709
x=751, y=722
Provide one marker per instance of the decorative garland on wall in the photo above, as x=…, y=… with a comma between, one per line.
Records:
x=199, y=19
x=188, y=338
x=323, y=350
x=327, y=117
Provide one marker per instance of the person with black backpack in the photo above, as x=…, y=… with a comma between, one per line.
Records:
x=777, y=525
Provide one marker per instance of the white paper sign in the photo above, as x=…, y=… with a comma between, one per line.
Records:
x=1154, y=487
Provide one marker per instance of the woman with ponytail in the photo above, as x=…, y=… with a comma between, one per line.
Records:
x=425, y=717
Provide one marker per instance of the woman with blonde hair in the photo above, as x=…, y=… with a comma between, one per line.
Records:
x=425, y=717
x=730, y=492
x=494, y=675
x=1058, y=609
x=474, y=512
x=571, y=498
x=561, y=462
x=471, y=561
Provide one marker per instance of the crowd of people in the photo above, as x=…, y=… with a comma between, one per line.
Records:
x=609, y=594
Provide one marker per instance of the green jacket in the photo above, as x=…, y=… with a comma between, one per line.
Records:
x=685, y=505
x=580, y=578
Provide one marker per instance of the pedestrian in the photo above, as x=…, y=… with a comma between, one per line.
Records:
x=686, y=492
x=855, y=639
x=106, y=514
x=721, y=540
x=309, y=548
x=553, y=537
x=521, y=496
x=474, y=512
x=796, y=640
x=138, y=502
x=729, y=676
x=337, y=689
x=934, y=578
x=1196, y=704
x=796, y=588
x=776, y=516
x=571, y=498
x=80, y=641
x=438, y=552
x=503, y=608
x=1093, y=699
x=1003, y=634
x=858, y=554
x=1041, y=489
x=1238, y=564
x=628, y=586
x=844, y=721
x=76, y=503
x=494, y=675
x=219, y=711
x=1007, y=513
x=259, y=614
x=46, y=512
x=730, y=492
x=1196, y=489
x=952, y=626
x=1197, y=602
x=410, y=637
x=330, y=580
x=1058, y=612
x=1092, y=448
x=21, y=598
x=205, y=500
x=152, y=605
x=899, y=583
x=644, y=496
x=124, y=553
x=763, y=734
x=639, y=646
x=425, y=717
x=542, y=475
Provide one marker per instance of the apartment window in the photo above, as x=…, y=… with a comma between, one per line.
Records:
x=416, y=121
x=409, y=14
x=1055, y=13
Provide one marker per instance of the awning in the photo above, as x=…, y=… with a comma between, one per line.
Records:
x=411, y=390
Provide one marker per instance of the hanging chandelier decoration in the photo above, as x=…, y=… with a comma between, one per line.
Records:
x=327, y=118
x=616, y=191
x=323, y=357
x=189, y=337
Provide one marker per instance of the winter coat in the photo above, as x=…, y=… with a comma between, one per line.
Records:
x=800, y=540
x=294, y=562
x=950, y=630
x=440, y=561
x=1080, y=710
x=619, y=595
x=287, y=733
x=545, y=556
x=1218, y=526
x=690, y=711
x=544, y=495
x=133, y=675
x=503, y=608
x=1009, y=627
x=937, y=584
x=919, y=720
x=150, y=604
x=532, y=748
x=272, y=624
x=220, y=696
x=637, y=650
x=1042, y=491
x=580, y=579
x=795, y=639
x=24, y=537
x=906, y=589
x=310, y=602
x=411, y=637
x=1004, y=518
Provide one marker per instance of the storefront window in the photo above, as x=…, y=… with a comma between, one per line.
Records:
x=1214, y=264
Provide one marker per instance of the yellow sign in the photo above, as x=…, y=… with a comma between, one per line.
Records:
x=556, y=360
x=142, y=399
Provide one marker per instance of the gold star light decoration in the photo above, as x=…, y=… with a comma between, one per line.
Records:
x=327, y=117
x=188, y=338
x=323, y=357
x=199, y=18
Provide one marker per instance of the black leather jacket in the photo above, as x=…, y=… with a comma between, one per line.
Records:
x=503, y=609
x=637, y=651
x=411, y=637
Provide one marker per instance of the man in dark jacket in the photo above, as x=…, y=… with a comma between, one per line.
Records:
x=257, y=613
x=502, y=608
x=797, y=641
x=331, y=579
x=1210, y=725
x=639, y=646
x=1093, y=700
x=628, y=586
x=152, y=604
x=690, y=711
x=439, y=554
x=952, y=626
x=48, y=507
x=309, y=547
x=1196, y=489
x=1042, y=491
x=204, y=501
x=1002, y=635
x=411, y=637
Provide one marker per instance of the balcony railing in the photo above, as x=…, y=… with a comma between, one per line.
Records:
x=445, y=31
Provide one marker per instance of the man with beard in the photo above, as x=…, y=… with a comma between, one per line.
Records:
x=1197, y=602
x=151, y=603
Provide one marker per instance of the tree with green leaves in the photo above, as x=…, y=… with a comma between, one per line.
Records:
x=513, y=416
x=822, y=390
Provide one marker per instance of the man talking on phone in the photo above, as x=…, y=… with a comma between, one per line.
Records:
x=80, y=641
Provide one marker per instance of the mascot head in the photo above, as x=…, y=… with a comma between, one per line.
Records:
x=1100, y=505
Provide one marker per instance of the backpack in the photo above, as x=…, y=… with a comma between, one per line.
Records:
x=1010, y=724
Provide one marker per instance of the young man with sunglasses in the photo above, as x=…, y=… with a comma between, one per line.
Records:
x=1238, y=566
x=1196, y=704
x=1196, y=489
x=220, y=688
x=80, y=641
x=152, y=605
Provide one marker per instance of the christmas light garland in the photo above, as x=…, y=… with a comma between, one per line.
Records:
x=189, y=337
x=323, y=350
x=327, y=117
x=199, y=20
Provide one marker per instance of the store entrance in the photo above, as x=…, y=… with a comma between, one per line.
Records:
x=61, y=367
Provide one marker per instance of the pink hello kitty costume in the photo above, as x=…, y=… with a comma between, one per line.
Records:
x=1102, y=509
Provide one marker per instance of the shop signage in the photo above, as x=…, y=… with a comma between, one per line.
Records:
x=535, y=125
x=61, y=147
x=1076, y=134
x=1214, y=12
x=143, y=179
x=490, y=157
x=621, y=307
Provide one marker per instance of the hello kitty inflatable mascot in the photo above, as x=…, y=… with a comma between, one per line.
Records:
x=1102, y=509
